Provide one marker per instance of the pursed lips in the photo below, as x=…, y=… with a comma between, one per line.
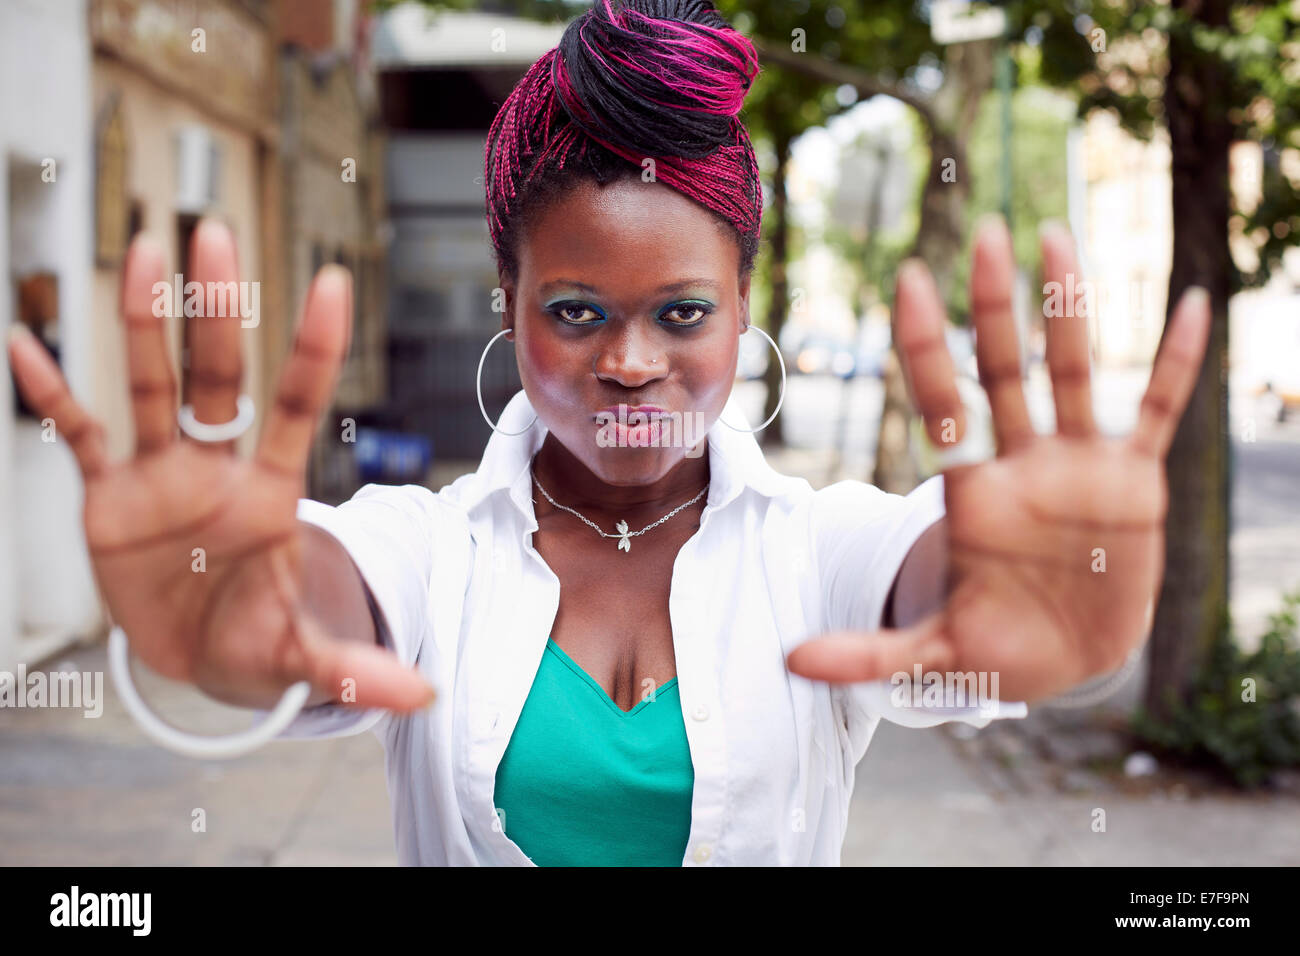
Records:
x=628, y=410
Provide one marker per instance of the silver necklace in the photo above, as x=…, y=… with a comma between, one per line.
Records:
x=624, y=536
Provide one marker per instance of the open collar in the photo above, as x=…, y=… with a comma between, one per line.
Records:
x=735, y=461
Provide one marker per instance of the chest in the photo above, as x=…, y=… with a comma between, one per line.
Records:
x=758, y=740
x=613, y=616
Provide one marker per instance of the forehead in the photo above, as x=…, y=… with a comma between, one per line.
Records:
x=629, y=233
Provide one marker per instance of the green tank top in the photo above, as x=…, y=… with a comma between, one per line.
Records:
x=583, y=783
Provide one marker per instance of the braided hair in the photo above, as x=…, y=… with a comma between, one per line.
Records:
x=630, y=80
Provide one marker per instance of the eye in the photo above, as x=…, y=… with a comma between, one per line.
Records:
x=576, y=313
x=693, y=312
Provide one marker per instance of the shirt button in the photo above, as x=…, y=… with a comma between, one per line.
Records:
x=700, y=713
x=702, y=853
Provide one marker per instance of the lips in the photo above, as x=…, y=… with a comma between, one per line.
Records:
x=629, y=409
x=646, y=432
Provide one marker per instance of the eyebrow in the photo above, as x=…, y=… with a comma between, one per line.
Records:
x=666, y=287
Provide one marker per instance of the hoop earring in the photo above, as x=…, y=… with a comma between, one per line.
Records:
x=478, y=388
x=780, y=401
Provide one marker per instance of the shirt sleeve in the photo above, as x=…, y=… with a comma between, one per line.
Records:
x=390, y=532
x=861, y=537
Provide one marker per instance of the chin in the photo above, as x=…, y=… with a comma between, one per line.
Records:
x=630, y=466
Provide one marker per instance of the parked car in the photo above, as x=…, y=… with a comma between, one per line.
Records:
x=819, y=354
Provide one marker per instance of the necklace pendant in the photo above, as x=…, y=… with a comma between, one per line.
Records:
x=624, y=543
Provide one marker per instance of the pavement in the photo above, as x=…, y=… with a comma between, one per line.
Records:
x=1047, y=790
x=931, y=798
x=77, y=791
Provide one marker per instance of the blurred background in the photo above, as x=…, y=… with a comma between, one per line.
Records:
x=1166, y=135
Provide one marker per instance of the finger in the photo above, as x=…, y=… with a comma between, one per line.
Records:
x=153, y=383
x=309, y=375
x=1177, y=366
x=924, y=353
x=43, y=388
x=851, y=657
x=216, y=369
x=1067, y=338
x=350, y=672
x=366, y=675
x=997, y=347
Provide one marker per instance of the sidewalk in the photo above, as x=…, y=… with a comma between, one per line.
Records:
x=77, y=791
x=928, y=798
x=96, y=792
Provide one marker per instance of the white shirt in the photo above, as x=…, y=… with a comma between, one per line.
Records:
x=466, y=598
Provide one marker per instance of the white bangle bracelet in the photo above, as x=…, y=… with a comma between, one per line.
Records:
x=1086, y=696
x=194, y=745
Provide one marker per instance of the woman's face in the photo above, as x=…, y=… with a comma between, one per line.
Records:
x=627, y=295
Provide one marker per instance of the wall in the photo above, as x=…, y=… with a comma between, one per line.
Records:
x=47, y=595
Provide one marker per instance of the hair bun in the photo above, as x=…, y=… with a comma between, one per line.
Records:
x=655, y=77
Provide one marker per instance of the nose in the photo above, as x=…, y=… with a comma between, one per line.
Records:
x=630, y=359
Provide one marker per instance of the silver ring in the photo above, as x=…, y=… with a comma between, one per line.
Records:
x=221, y=431
x=965, y=452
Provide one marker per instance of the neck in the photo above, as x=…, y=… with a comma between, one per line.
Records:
x=572, y=483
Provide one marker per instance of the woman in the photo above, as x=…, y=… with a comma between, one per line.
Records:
x=617, y=617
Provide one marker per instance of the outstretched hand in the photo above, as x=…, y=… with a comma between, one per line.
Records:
x=1056, y=545
x=240, y=625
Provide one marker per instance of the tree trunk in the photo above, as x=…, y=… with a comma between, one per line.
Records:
x=938, y=242
x=779, y=238
x=1193, y=600
x=968, y=77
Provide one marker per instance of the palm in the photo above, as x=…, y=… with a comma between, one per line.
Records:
x=1056, y=545
x=198, y=553
x=169, y=535
x=1056, y=551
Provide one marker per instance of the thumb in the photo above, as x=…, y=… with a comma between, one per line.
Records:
x=846, y=657
x=364, y=675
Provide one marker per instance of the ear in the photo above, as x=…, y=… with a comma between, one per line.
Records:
x=745, y=319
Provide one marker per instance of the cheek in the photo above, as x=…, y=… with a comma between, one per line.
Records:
x=709, y=369
x=542, y=360
x=549, y=369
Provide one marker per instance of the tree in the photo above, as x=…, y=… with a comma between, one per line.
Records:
x=1215, y=72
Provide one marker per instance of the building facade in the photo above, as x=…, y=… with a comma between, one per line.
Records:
x=331, y=165
x=47, y=591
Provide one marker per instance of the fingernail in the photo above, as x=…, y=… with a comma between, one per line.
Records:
x=433, y=695
x=991, y=220
x=912, y=266
x=213, y=226
x=1197, y=295
x=1050, y=226
x=17, y=329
